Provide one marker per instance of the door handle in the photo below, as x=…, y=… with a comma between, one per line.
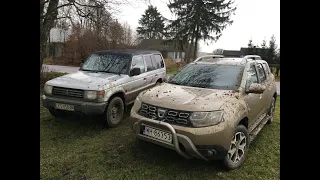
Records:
x=144, y=78
x=156, y=75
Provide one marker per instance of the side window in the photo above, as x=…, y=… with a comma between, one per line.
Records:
x=262, y=75
x=251, y=76
x=154, y=62
x=266, y=68
x=149, y=64
x=159, y=60
x=137, y=61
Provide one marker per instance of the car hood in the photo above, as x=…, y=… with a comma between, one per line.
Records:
x=188, y=98
x=85, y=80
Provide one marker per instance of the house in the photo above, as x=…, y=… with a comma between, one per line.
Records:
x=168, y=49
x=244, y=51
x=56, y=41
x=250, y=51
x=231, y=53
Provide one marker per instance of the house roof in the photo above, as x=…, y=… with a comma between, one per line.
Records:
x=156, y=44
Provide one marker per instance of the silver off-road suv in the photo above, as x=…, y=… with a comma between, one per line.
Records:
x=105, y=83
x=211, y=109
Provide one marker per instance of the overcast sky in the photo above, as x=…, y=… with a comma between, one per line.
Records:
x=256, y=19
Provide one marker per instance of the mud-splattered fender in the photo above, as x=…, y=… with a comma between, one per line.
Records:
x=234, y=110
x=111, y=89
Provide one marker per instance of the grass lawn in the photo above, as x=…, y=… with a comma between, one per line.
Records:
x=82, y=148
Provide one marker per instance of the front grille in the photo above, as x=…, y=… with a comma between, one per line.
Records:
x=75, y=93
x=170, y=116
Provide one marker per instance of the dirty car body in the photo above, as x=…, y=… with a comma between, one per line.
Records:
x=198, y=112
x=103, y=76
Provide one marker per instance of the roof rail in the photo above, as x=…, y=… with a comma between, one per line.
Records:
x=208, y=56
x=252, y=57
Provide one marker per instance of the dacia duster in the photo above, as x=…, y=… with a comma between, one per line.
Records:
x=211, y=109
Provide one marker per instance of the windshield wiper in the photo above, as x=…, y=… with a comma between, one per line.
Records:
x=89, y=70
x=172, y=82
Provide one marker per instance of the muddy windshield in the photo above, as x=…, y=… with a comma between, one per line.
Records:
x=214, y=76
x=107, y=62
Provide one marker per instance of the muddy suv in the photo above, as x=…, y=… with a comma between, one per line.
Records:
x=105, y=83
x=211, y=109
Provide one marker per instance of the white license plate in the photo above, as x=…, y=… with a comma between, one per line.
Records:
x=66, y=107
x=157, y=134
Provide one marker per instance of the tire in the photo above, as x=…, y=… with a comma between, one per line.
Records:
x=57, y=113
x=239, y=147
x=158, y=83
x=271, y=110
x=114, y=112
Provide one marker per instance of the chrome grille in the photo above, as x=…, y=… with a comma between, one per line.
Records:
x=76, y=93
x=170, y=116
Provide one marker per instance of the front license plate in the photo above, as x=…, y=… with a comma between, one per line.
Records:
x=157, y=134
x=66, y=107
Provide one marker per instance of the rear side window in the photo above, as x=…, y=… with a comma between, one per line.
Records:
x=251, y=76
x=149, y=64
x=262, y=75
x=266, y=68
x=158, y=61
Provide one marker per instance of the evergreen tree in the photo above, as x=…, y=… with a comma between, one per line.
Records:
x=271, y=51
x=151, y=24
x=250, y=47
x=201, y=18
x=263, y=52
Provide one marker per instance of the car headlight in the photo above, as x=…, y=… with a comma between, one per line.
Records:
x=94, y=95
x=47, y=89
x=137, y=104
x=202, y=119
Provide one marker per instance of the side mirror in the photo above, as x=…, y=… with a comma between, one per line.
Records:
x=135, y=71
x=256, y=88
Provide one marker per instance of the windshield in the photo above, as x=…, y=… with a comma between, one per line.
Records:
x=107, y=62
x=214, y=76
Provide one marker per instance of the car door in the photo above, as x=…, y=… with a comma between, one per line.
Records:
x=160, y=71
x=151, y=70
x=253, y=101
x=136, y=83
x=264, y=80
x=269, y=82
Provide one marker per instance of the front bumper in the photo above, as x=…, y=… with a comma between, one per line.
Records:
x=88, y=108
x=187, y=142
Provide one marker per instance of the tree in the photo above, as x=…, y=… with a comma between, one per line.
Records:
x=201, y=18
x=272, y=49
x=91, y=14
x=151, y=24
x=263, y=52
x=250, y=47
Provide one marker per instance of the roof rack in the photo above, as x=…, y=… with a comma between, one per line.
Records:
x=252, y=57
x=208, y=56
